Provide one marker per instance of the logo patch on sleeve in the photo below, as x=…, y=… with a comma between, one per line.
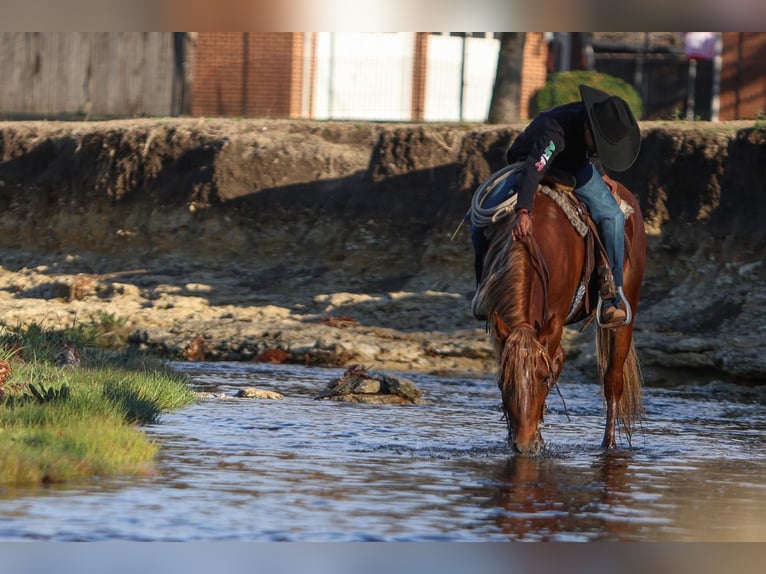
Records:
x=546, y=155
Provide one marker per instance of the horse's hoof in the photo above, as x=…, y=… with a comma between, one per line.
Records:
x=608, y=444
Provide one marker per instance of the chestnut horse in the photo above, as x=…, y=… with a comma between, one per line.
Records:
x=529, y=292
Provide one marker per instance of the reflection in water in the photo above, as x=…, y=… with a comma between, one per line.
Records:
x=306, y=470
x=622, y=496
x=545, y=500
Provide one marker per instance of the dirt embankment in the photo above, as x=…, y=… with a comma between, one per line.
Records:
x=331, y=241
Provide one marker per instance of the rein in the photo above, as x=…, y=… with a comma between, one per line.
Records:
x=539, y=266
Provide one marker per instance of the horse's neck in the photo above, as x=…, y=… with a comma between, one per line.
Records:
x=535, y=278
x=507, y=286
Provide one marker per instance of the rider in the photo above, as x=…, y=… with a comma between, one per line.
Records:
x=563, y=139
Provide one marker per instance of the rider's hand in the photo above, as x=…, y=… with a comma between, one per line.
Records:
x=522, y=225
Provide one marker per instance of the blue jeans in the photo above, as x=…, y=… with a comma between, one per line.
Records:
x=595, y=194
x=610, y=220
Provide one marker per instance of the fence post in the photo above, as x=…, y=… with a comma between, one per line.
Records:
x=419, y=75
x=692, y=87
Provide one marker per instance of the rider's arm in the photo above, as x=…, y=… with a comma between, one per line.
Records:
x=548, y=142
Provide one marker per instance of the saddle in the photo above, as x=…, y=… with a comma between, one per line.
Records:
x=559, y=187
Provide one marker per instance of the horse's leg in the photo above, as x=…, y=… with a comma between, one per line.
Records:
x=615, y=345
x=614, y=349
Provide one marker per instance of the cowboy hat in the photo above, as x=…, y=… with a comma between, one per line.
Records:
x=615, y=131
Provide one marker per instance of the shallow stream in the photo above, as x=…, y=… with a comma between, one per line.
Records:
x=299, y=469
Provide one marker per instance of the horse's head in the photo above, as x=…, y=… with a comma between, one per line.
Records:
x=525, y=377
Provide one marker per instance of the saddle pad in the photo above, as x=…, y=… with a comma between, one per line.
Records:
x=575, y=216
x=570, y=210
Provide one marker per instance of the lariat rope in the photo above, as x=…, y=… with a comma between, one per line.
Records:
x=482, y=217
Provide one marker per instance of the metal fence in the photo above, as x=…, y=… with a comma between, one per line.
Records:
x=662, y=80
x=370, y=76
x=359, y=76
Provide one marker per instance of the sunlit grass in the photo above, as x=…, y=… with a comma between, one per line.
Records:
x=61, y=423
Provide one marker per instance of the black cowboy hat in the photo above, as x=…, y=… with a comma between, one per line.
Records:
x=615, y=131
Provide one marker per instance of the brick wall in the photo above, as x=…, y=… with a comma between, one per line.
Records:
x=743, y=75
x=248, y=74
x=260, y=74
x=535, y=70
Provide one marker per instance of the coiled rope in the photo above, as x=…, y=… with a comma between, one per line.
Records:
x=481, y=216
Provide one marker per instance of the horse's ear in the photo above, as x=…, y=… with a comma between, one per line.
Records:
x=501, y=328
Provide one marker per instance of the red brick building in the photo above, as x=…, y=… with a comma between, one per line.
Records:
x=743, y=76
x=535, y=70
x=260, y=74
x=247, y=74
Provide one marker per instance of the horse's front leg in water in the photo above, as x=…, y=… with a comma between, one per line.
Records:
x=609, y=440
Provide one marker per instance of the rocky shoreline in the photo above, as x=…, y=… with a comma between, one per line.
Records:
x=174, y=310
x=329, y=243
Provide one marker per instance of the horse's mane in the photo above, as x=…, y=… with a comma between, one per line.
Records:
x=506, y=291
x=506, y=284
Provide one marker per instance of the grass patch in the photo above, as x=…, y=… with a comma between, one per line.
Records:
x=60, y=422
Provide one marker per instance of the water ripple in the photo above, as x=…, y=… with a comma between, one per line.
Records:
x=305, y=470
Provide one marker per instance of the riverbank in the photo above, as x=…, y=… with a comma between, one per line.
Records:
x=328, y=243
x=70, y=412
x=190, y=312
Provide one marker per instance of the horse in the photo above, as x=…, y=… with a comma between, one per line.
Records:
x=530, y=292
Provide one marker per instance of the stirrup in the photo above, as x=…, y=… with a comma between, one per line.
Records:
x=628, y=311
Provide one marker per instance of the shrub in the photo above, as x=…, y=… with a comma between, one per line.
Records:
x=563, y=87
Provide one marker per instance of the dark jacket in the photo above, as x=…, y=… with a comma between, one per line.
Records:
x=555, y=138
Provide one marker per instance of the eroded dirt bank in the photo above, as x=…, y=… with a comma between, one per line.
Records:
x=330, y=242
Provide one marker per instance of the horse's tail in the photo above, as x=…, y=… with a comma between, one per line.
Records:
x=630, y=407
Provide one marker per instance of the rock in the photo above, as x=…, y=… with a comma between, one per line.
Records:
x=275, y=356
x=196, y=349
x=359, y=385
x=253, y=393
x=367, y=386
x=68, y=357
x=400, y=386
x=209, y=395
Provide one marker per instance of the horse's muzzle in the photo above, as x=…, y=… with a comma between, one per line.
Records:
x=530, y=448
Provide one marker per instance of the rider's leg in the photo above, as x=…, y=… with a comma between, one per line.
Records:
x=605, y=211
x=480, y=246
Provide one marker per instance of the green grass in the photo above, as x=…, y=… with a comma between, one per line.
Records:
x=61, y=424
x=563, y=87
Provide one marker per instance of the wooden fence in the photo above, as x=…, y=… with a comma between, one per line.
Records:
x=92, y=75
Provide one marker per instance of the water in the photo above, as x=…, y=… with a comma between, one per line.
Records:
x=298, y=469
